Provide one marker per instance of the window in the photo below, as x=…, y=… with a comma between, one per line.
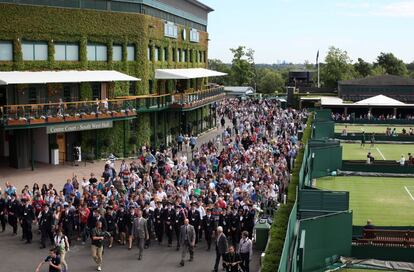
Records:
x=190, y=53
x=34, y=50
x=178, y=55
x=96, y=90
x=97, y=52
x=158, y=53
x=149, y=53
x=170, y=30
x=66, y=51
x=117, y=52
x=165, y=54
x=131, y=53
x=132, y=88
x=184, y=55
x=6, y=51
x=200, y=56
x=174, y=54
x=194, y=35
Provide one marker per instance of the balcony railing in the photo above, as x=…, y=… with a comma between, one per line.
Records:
x=194, y=99
x=30, y=114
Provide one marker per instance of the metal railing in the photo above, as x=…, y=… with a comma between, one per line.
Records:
x=23, y=114
x=66, y=111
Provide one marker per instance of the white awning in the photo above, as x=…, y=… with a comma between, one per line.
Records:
x=186, y=73
x=43, y=77
x=379, y=100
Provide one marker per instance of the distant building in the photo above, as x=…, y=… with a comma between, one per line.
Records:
x=396, y=87
x=300, y=79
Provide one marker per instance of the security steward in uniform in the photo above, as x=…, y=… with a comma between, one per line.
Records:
x=208, y=227
x=27, y=218
x=45, y=225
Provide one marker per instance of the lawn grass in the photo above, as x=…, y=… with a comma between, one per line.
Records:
x=379, y=129
x=351, y=151
x=383, y=200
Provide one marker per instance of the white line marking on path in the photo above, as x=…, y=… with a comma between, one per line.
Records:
x=381, y=154
x=408, y=191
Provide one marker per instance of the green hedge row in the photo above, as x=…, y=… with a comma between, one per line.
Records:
x=278, y=229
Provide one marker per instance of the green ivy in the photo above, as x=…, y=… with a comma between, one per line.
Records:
x=85, y=91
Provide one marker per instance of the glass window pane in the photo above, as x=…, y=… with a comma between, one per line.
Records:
x=91, y=54
x=60, y=53
x=156, y=54
x=72, y=52
x=131, y=52
x=27, y=50
x=117, y=53
x=101, y=53
x=6, y=51
x=149, y=53
x=40, y=51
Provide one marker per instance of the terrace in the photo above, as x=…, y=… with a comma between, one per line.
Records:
x=22, y=115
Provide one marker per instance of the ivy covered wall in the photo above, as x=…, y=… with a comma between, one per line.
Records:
x=34, y=23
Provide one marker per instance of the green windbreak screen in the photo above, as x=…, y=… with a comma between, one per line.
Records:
x=326, y=237
x=317, y=200
x=291, y=236
x=324, y=160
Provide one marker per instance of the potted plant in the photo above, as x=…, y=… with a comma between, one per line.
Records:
x=54, y=149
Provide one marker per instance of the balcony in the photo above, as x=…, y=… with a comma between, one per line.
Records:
x=41, y=114
x=191, y=99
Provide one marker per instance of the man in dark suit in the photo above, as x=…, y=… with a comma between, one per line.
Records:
x=27, y=218
x=140, y=232
x=13, y=212
x=194, y=217
x=159, y=222
x=232, y=260
x=178, y=222
x=169, y=216
x=45, y=225
x=208, y=226
x=221, y=247
x=187, y=240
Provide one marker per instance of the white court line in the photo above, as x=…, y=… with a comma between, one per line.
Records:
x=408, y=191
x=381, y=154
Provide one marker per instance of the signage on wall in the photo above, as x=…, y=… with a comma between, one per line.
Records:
x=79, y=126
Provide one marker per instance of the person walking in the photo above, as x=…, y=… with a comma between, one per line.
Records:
x=45, y=225
x=53, y=260
x=140, y=232
x=98, y=237
x=62, y=245
x=232, y=260
x=187, y=241
x=28, y=216
x=245, y=251
x=221, y=247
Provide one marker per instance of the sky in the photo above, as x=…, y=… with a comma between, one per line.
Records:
x=294, y=30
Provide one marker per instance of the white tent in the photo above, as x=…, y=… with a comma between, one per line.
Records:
x=43, y=77
x=186, y=73
x=379, y=100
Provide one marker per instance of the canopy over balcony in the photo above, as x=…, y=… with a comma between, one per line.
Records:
x=186, y=73
x=43, y=77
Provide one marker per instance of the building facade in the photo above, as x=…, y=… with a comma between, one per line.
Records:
x=101, y=114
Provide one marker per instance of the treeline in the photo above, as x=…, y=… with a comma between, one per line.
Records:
x=337, y=66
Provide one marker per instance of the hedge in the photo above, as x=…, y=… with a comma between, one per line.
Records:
x=278, y=229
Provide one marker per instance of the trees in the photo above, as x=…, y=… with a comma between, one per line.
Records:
x=269, y=81
x=337, y=67
x=391, y=64
x=363, y=68
x=218, y=65
x=242, y=66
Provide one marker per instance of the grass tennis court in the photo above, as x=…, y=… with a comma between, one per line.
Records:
x=386, y=201
x=379, y=129
x=361, y=270
x=351, y=151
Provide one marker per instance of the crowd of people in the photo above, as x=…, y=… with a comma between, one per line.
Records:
x=369, y=116
x=169, y=198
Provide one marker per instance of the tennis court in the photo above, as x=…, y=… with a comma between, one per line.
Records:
x=354, y=151
x=379, y=129
x=386, y=201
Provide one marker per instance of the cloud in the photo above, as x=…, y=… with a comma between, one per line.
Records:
x=402, y=8
x=397, y=9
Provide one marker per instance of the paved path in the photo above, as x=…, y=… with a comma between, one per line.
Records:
x=19, y=257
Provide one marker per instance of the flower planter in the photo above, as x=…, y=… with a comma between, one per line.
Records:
x=131, y=113
x=104, y=115
x=37, y=121
x=55, y=119
x=72, y=118
x=88, y=116
x=118, y=114
x=16, y=122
